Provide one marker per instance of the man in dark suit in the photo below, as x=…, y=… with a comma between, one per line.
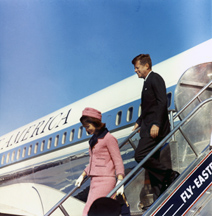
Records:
x=154, y=124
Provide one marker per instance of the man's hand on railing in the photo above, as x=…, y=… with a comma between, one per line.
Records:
x=135, y=127
x=121, y=189
x=79, y=181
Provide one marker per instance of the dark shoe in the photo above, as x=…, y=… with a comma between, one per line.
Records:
x=173, y=176
x=146, y=207
x=170, y=177
x=142, y=207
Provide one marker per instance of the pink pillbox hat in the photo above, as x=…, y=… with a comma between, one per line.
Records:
x=91, y=112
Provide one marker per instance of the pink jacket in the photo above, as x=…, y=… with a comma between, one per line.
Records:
x=105, y=158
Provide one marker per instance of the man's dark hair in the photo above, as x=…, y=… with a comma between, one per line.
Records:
x=143, y=59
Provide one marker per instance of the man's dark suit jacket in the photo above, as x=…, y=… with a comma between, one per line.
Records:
x=154, y=106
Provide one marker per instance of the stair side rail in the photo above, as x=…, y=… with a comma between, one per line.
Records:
x=135, y=169
x=149, y=155
x=59, y=203
x=195, y=97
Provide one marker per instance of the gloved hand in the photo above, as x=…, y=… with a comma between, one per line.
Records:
x=79, y=181
x=121, y=189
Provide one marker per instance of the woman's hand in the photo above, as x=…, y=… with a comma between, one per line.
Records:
x=80, y=179
x=121, y=189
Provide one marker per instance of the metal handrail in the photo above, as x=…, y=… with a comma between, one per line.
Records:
x=195, y=97
x=58, y=204
x=171, y=134
x=127, y=139
x=135, y=169
x=172, y=117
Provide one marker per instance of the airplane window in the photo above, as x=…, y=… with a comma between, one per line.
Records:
x=24, y=152
x=49, y=143
x=8, y=157
x=36, y=148
x=30, y=150
x=42, y=145
x=80, y=132
x=169, y=99
x=56, y=141
x=118, y=118
x=139, y=110
x=18, y=154
x=129, y=114
x=13, y=156
x=64, y=138
x=2, y=159
x=72, y=135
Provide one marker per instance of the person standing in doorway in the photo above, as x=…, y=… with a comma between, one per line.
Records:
x=154, y=124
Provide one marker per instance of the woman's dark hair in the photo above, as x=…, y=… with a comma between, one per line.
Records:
x=94, y=121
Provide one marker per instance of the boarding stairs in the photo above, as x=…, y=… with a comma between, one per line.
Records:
x=185, y=149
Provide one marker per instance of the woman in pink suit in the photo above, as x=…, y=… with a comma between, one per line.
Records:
x=105, y=162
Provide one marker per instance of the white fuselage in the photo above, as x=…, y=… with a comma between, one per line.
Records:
x=60, y=133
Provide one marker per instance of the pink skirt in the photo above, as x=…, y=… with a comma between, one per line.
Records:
x=99, y=187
